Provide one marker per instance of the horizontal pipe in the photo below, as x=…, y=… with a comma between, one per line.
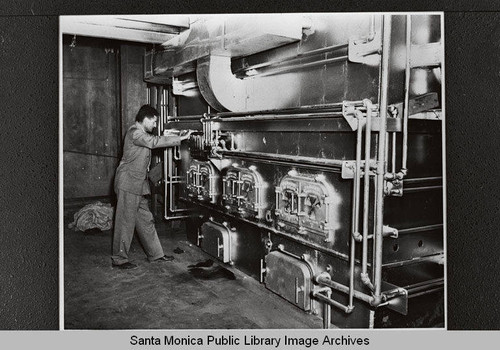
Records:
x=419, y=229
x=285, y=117
x=437, y=258
x=180, y=217
x=303, y=109
x=434, y=281
x=290, y=60
x=422, y=189
x=331, y=302
x=183, y=117
x=423, y=179
x=425, y=292
x=300, y=66
x=176, y=182
x=284, y=158
x=182, y=210
x=417, y=287
x=326, y=281
x=425, y=287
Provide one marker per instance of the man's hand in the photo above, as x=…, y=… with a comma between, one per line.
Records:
x=171, y=132
x=185, y=134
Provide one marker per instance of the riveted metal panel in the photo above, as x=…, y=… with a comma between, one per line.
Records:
x=216, y=241
x=290, y=278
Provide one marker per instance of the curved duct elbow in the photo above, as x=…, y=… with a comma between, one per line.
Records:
x=210, y=75
x=224, y=91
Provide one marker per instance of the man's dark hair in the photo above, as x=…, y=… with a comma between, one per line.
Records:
x=146, y=111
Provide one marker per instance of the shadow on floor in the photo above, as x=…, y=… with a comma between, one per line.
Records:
x=191, y=292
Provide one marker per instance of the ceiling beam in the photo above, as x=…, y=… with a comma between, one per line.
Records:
x=112, y=32
x=178, y=21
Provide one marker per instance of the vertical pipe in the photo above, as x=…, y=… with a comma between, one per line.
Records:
x=366, y=193
x=171, y=185
x=386, y=155
x=327, y=311
x=168, y=178
x=407, y=95
x=379, y=199
x=355, y=216
x=393, y=167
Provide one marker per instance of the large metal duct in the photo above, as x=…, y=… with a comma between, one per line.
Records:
x=224, y=91
x=211, y=43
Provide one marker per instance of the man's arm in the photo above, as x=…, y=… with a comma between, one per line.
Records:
x=144, y=139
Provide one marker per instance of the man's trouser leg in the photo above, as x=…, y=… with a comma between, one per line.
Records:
x=127, y=205
x=146, y=231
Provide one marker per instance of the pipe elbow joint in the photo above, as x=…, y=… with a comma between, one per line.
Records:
x=358, y=114
x=349, y=309
x=325, y=289
x=358, y=237
x=322, y=276
x=367, y=102
x=366, y=280
x=376, y=300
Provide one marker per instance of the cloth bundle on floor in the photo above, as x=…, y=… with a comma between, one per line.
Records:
x=97, y=215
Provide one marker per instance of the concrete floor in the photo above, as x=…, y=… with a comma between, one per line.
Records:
x=167, y=295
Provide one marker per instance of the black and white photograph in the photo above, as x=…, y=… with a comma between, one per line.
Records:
x=253, y=171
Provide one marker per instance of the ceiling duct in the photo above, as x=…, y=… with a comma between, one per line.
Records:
x=224, y=91
x=212, y=42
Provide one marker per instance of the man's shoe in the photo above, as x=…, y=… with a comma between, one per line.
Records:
x=125, y=266
x=164, y=258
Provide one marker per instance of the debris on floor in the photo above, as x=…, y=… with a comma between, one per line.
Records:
x=206, y=263
x=178, y=250
x=211, y=272
x=97, y=215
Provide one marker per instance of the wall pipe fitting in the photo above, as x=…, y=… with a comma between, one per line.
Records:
x=168, y=168
x=325, y=279
x=379, y=190
x=326, y=304
x=331, y=302
x=169, y=188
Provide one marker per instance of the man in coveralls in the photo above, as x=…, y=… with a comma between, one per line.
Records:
x=131, y=184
